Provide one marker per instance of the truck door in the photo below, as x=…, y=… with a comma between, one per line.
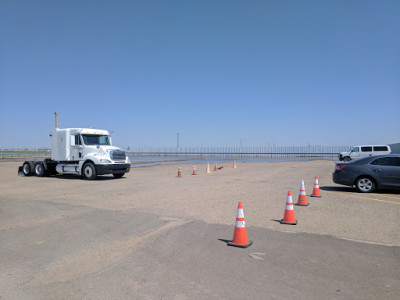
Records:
x=76, y=147
x=355, y=153
x=366, y=151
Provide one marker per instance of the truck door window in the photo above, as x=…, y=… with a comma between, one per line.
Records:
x=77, y=140
x=355, y=149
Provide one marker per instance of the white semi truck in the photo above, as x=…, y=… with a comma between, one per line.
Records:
x=80, y=151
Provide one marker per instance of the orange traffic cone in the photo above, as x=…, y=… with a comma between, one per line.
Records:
x=234, y=164
x=288, y=217
x=302, y=196
x=194, y=170
x=215, y=168
x=315, y=192
x=208, y=169
x=179, y=172
x=240, y=234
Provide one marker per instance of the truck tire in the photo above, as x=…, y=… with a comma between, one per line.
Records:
x=39, y=169
x=28, y=168
x=89, y=171
x=346, y=159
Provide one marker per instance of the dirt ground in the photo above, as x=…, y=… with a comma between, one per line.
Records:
x=113, y=223
x=261, y=187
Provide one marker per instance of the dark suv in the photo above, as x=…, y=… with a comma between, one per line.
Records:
x=369, y=173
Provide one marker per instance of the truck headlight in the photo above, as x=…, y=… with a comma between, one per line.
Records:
x=105, y=161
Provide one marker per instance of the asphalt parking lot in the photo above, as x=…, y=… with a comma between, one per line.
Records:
x=152, y=235
x=390, y=197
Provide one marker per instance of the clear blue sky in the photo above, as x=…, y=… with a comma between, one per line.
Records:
x=218, y=72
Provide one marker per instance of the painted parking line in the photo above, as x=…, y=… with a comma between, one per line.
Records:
x=392, y=197
x=366, y=198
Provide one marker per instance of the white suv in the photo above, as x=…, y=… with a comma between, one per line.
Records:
x=365, y=150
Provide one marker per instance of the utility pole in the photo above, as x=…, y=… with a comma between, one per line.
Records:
x=177, y=140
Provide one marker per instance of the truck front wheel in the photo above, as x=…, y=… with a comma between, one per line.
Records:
x=89, y=171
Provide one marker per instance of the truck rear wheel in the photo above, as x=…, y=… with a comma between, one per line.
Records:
x=89, y=171
x=28, y=168
x=39, y=169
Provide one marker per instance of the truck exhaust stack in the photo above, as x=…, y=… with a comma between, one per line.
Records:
x=56, y=119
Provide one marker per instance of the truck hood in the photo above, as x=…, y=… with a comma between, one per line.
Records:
x=100, y=150
x=106, y=150
x=109, y=148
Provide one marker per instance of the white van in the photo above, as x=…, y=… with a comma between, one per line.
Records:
x=363, y=151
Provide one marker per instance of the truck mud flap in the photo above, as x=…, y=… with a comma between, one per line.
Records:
x=20, y=173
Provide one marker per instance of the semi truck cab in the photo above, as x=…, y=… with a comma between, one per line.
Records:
x=80, y=151
x=88, y=152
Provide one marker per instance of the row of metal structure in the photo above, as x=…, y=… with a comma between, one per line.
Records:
x=272, y=151
x=261, y=151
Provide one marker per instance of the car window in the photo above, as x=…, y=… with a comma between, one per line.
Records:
x=387, y=161
x=366, y=149
x=355, y=149
x=380, y=148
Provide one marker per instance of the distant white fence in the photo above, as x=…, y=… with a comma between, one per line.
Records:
x=273, y=151
x=7, y=153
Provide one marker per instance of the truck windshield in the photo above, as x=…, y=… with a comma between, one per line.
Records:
x=95, y=139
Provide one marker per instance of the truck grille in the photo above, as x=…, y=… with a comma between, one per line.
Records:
x=118, y=155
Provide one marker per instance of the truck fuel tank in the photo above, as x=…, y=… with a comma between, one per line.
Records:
x=67, y=169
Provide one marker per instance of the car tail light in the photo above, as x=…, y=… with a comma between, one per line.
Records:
x=340, y=167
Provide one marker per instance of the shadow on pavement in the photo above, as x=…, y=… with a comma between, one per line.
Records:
x=353, y=190
x=338, y=188
x=77, y=177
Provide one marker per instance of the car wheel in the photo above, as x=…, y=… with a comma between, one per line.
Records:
x=365, y=185
x=89, y=171
x=39, y=169
x=346, y=159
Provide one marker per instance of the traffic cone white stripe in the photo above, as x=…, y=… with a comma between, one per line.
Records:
x=240, y=224
x=240, y=214
x=289, y=206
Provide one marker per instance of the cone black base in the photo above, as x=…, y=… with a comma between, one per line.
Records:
x=302, y=204
x=283, y=222
x=240, y=246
